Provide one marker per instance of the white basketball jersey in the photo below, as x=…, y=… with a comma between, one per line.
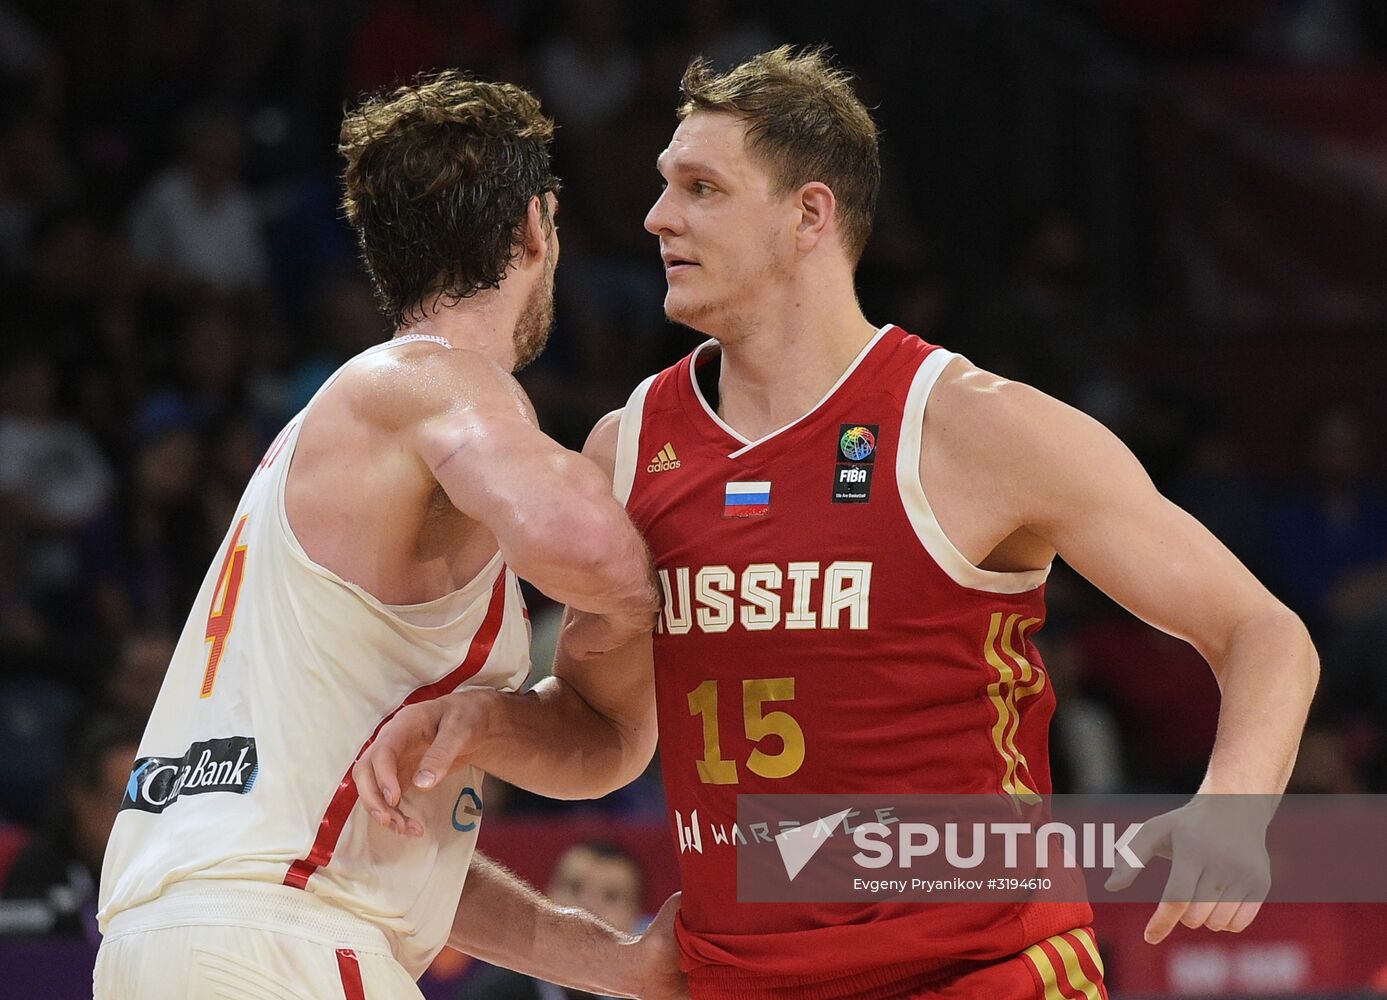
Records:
x=284, y=673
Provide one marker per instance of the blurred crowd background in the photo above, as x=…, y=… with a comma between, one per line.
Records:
x=1171, y=213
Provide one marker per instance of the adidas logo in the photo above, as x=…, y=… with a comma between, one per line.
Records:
x=664, y=460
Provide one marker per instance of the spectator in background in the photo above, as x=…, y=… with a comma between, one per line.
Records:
x=1218, y=489
x=138, y=673
x=1309, y=32
x=724, y=35
x=1189, y=26
x=236, y=446
x=29, y=59
x=1044, y=320
x=60, y=867
x=596, y=875
x=35, y=178
x=166, y=532
x=1329, y=537
x=1325, y=764
x=345, y=323
x=1086, y=750
x=1162, y=694
x=399, y=38
x=196, y=223
x=1354, y=700
x=54, y=482
x=212, y=365
x=589, y=75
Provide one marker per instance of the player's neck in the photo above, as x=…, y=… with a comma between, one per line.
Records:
x=484, y=323
x=783, y=365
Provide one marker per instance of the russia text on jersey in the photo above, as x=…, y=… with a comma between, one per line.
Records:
x=799, y=595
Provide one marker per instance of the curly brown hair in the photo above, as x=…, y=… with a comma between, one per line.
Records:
x=439, y=177
x=804, y=121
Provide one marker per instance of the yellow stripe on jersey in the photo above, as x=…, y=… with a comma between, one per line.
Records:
x=1031, y=688
x=1002, y=693
x=1077, y=977
x=1045, y=969
x=1085, y=937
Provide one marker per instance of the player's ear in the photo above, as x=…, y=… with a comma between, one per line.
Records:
x=817, y=208
x=537, y=227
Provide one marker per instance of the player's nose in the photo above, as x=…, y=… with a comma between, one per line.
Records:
x=662, y=217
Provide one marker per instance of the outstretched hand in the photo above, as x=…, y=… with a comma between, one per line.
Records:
x=1220, y=872
x=421, y=745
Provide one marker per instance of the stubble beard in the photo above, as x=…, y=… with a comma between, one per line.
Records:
x=726, y=316
x=536, y=320
x=700, y=314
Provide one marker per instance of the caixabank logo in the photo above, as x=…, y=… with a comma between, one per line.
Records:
x=223, y=765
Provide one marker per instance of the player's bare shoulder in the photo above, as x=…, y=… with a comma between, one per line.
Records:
x=601, y=442
x=968, y=402
x=400, y=391
x=1029, y=451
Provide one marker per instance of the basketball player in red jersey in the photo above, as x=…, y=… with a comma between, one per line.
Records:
x=372, y=563
x=853, y=529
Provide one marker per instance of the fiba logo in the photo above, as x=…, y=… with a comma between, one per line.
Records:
x=857, y=443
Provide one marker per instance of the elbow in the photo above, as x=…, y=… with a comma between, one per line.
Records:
x=1293, y=632
x=1277, y=627
x=595, y=550
x=596, y=543
x=1312, y=657
x=635, y=757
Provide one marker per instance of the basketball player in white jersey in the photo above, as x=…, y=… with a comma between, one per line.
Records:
x=771, y=180
x=372, y=564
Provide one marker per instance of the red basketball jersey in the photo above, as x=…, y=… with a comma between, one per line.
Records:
x=822, y=635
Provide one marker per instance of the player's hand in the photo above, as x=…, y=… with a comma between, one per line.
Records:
x=660, y=978
x=1220, y=872
x=586, y=635
x=421, y=745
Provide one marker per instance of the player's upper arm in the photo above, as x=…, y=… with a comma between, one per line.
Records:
x=471, y=424
x=551, y=510
x=1070, y=481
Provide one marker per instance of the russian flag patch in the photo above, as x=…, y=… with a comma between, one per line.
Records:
x=746, y=500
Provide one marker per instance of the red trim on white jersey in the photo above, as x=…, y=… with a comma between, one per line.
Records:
x=349, y=968
x=345, y=798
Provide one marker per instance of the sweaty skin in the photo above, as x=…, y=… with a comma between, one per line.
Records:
x=448, y=466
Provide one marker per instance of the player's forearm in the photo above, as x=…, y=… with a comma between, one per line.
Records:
x=503, y=921
x=1267, y=673
x=554, y=743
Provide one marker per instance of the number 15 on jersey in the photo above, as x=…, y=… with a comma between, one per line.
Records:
x=756, y=723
